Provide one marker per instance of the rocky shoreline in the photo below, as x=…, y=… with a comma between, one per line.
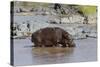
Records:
x=32, y=17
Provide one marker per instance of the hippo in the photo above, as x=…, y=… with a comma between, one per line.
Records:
x=52, y=37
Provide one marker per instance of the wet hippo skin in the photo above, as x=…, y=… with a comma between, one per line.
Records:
x=52, y=37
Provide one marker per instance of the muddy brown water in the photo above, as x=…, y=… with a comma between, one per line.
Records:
x=24, y=54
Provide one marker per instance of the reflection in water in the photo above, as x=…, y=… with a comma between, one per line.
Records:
x=51, y=54
x=25, y=54
x=52, y=51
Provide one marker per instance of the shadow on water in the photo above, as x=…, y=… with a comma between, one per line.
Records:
x=51, y=54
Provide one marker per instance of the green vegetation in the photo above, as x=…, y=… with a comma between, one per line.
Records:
x=84, y=8
x=87, y=10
